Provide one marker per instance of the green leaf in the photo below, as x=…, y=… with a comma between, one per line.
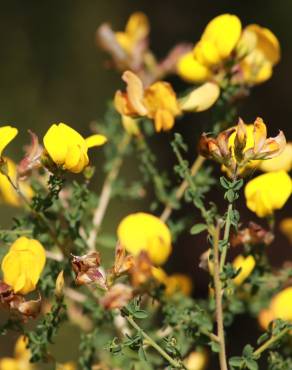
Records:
x=198, y=228
x=236, y=361
x=140, y=314
x=225, y=183
x=251, y=364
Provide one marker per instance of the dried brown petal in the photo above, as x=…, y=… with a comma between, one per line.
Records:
x=117, y=296
x=123, y=263
x=254, y=234
x=141, y=271
x=32, y=158
x=87, y=270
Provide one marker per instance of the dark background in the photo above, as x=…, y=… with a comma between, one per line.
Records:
x=52, y=71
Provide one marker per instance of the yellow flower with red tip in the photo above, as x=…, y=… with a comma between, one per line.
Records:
x=246, y=266
x=68, y=149
x=7, y=193
x=23, y=265
x=268, y=192
x=141, y=231
x=7, y=134
x=21, y=359
x=159, y=102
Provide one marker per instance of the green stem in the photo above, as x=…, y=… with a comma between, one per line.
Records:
x=176, y=364
x=40, y=216
x=226, y=237
x=270, y=342
x=182, y=188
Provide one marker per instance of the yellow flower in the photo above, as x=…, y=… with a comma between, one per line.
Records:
x=7, y=134
x=282, y=162
x=21, y=358
x=246, y=264
x=191, y=70
x=196, y=360
x=218, y=41
x=261, y=49
x=280, y=308
x=7, y=192
x=286, y=228
x=159, y=102
x=23, y=265
x=66, y=366
x=68, y=149
x=145, y=232
x=268, y=192
x=174, y=282
x=136, y=30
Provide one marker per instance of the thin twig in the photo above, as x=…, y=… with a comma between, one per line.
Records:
x=218, y=298
x=182, y=188
x=270, y=342
x=106, y=192
x=175, y=363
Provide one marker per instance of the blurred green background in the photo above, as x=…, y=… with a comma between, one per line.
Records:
x=52, y=71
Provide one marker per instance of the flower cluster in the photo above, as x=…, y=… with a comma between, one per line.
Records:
x=64, y=258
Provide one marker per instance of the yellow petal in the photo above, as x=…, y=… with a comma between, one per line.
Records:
x=206, y=53
x=261, y=196
x=246, y=265
x=23, y=265
x=191, y=70
x=224, y=32
x=259, y=134
x=164, y=120
x=95, y=140
x=138, y=26
x=145, y=232
x=161, y=95
x=286, y=228
x=7, y=134
x=200, y=99
x=130, y=125
x=135, y=91
x=72, y=157
x=267, y=42
x=56, y=144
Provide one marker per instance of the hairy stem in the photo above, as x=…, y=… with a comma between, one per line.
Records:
x=218, y=299
x=106, y=192
x=226, y=237
x=182, y=188
x=176, y=364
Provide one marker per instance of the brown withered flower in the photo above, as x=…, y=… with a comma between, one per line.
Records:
x=16, y=303
x=87, y=270
x=32, y=158
x=117, y=296
x=123, y=262
x=254, y=234
x=141, y=271
x=242, y=146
